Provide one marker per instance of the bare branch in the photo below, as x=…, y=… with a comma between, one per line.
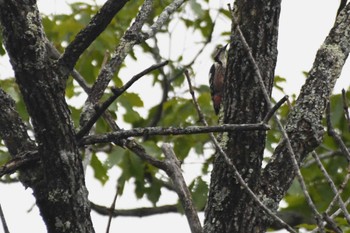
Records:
x=139, y=212
x=346, y=107
x=345, y=151
x=335, y=214
x=334, y=135
x=174, y=172
x=163, y=18
x=128, y=143
x=112, y=208
x=331, y=223
x=275, y=108
x=86, y=36
x=128, y=40
x=116, y=93
x=152, y=131
x=19, y=162
x=55, y=54
x=3, y=221
x=333, y=187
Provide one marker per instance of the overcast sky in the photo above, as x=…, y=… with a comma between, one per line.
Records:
x=304, y=25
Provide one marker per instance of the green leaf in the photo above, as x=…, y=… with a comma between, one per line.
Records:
x=100, y=172
x=132, y=116
x=131, y=166
x=115, y=157
x=182, y=146
x=152, y=149
x=2, y=50
x=154, y=192
x=4, y=157
x=197, y=8
x=199, y=189
x=129, y=100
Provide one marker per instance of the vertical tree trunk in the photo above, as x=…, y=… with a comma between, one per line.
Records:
x=60, y=193
x=229, y=208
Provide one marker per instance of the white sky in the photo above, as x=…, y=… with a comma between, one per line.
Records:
x=303, y=27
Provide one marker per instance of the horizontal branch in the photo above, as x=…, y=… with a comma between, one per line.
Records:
x=19, y=162
x=153, y=131
x=290, y=217
x=138, y=212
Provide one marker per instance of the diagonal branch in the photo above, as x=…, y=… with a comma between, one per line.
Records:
x=86, y=36
x=128, y=40
x=304, y=125
x=174, y=172
x=3, y=221
x=116, y=93
x=14, y=133
x=131, y=37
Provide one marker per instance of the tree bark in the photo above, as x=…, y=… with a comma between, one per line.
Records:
x=230, y=208
x=60, y=193
x=304, y=125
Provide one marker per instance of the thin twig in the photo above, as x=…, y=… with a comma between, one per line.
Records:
x=345, y=151
x=55, y=54
x=340, y=191
x=333, y=187
x=331, y=223
x=334, y=215
x=111, y=209
x=153, y=131
x=155, y=51
x=231, y=165
x=3, y=221
x=346, y=107
x=260, y=81
x=274, y=109
x=129, y=39
x=116, y=93
x=174, y=172
x=335, y=135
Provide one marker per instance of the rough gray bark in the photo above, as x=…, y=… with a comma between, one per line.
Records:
x=60, y=192
x=230, y=209
x=304, y=125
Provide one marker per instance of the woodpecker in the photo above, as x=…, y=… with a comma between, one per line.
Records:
x=216, y=77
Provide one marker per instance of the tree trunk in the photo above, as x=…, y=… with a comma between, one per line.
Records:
x=230, y=208
x=60, y=193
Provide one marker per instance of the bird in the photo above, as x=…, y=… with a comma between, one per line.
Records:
x=217, y=76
